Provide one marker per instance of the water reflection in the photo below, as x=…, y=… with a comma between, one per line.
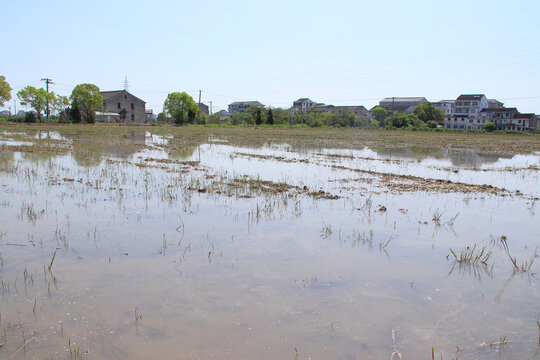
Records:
x=460, y=158
x=6, y=159
x=243, y=265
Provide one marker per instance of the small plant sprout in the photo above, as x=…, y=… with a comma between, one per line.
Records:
x=138, y=317
x=472, y=256
x=437, y=217
x=523, y=268
x=538, y=323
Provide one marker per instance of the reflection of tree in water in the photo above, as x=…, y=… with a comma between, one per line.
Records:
x=6, y=159
x=462, y=158
x=37, y=157
x=90, y=150
x=86, y=154
x=410, y=152
x=469, y=158
x=180, y=149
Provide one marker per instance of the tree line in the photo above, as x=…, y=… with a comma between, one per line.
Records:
x=180, y=108
x=80, y=106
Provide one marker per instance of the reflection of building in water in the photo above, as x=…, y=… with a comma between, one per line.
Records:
x=90, y=153
x=136, y=138
x=411, y=152
x=461, y=158
x=470, y=158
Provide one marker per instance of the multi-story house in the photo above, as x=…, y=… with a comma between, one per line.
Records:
x=128, y=107
x=470, y=105
x=304, y=104
x=495, y=104
x=401, y=105
x=507, y=119
x=241, y=106
x=203, y=109
x=466, y=111
x=332, y=109
x=445, y=105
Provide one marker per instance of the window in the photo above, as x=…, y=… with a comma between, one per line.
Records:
x=119, y=106
x=132, y=106
x=125, y=96
x=475, y=103
x=132, y=117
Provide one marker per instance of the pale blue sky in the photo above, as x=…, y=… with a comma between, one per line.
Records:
x=337, y=52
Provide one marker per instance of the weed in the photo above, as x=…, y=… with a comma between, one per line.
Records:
x=437, y=217
x=471, y=256
x=523, y=268
x=326, y=231
x=138, y=317
x=384, y=244
x=538, y=323
x=500, y=343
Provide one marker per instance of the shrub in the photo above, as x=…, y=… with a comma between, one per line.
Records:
x=489, y=127
x=30, y=117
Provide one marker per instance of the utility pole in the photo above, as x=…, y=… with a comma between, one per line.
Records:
x=47, y=82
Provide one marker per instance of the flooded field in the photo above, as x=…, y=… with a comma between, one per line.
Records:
x=190, y=243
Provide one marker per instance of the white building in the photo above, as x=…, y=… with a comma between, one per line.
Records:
x=304, y=104
x=445, y=105
x=241, y=106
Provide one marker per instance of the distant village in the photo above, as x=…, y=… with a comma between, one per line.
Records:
x=467, y=112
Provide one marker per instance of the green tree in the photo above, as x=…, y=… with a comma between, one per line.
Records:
x=239, y=118
x=270, y=119
x=258, y=118
x=87, y=99
x=398, y=121
x=379, y=114
x=179, y=106
x=489, y=127
x=5, y=90
x=432, y=124
x=427, y=112
x=36, y=98
x=60, y=103
x=281, y=116
x=123, y=114
x=162, y=118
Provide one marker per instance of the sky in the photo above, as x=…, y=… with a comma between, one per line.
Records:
x=335, y=52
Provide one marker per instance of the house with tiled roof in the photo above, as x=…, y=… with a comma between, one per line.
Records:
x=127, y=106
x=304, y=104
x=241, y=106
x=401, y=105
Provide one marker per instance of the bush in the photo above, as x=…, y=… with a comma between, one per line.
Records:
x=489, y=127
x=29, y=117
x=432, y=124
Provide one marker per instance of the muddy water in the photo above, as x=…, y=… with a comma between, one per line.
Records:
x=182, y=254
